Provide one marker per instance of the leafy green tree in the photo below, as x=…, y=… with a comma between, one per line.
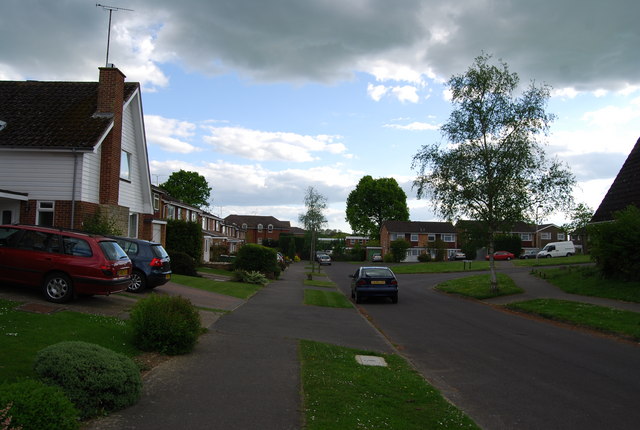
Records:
x=374, y=201
x=399, y=250
x=580, y=217
x=314, y=218
x=494, y=169
x=189, y=187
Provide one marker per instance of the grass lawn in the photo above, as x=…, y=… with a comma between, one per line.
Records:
x=439, y=267
x=240, y=290
x=23, y=334
x=341, y=394
x=600, y=318
x=479, y=286
x=558, y=261
x=330, y=299
x=316, y=274
x=326, y=284
x=586, y=281
x=213, y=271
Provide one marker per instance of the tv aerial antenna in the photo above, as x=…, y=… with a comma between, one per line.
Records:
x=110, y=9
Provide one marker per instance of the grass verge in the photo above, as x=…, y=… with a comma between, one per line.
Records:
x=240, y=290
x=439, y=267
x=586, y=281
x=614, y=321
x=23, y=334
x=341, y=394
x=213, y=271
x=330, y=299
x=326, y=284
x=574, y=259
x=479, y=286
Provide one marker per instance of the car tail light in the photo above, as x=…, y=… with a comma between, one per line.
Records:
x=107, y=270
x=156, y=262
x=361, y=282
x=394, y=282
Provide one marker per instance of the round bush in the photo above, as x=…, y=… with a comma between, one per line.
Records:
x=183, y=264
x=35, y=405
x=95, y=379
x=166, y=324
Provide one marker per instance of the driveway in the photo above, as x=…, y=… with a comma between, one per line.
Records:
x=507, y=371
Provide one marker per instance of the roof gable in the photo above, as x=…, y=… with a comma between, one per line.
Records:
x=625, y=189
x=53, y=115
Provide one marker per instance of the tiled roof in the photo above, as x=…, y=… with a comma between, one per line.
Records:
x=419, y=227
x=254, y=220
x=625, y=189
x=52, y=115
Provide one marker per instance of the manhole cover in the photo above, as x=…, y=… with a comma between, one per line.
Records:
x=38, y=308
x=371, y=360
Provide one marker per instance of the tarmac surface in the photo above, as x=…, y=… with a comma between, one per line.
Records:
x=244, y=372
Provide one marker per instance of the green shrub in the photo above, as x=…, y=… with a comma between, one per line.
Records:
x=182, y=263
x=254, y=257
x=399, y=250
x=94, y=378
x=425, y=257
x=249, y=277
x=614, y=245
x=31, y=404
x=185, y=236
x=388, y=258
x=165, y=324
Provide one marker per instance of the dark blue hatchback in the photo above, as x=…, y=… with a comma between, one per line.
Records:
x=151, y=263
x=374, y=282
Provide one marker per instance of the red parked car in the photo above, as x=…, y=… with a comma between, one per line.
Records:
x=502, y=255
x=62, y=262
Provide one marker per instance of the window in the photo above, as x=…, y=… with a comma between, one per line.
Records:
x=125, y=165
x=259, y=227
x=259, y=241
x=244, y=226
x=432, y=237
x=414, y=237
x=393, y=236
x=6, y=217
x=44, y=216
x=545, y=236
x=171, y=212
x=133, y=225
x=448, y=237
x=270, y=228
x=156, y=202
x=179, y=214
x=561, y=236
x=525, y=236
x=194, y=217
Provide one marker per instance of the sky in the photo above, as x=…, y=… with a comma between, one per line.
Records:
x=266, y=98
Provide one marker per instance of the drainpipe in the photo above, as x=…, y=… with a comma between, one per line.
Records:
x=73, y=188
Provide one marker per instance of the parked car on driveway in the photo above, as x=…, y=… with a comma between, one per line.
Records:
x=459, y=255
x=529, y=253
x=502, y=255
x=324, y=259
x=558, y=249
x=151, y=263
x=376, y=258
x=63, y=262
x=376, y=281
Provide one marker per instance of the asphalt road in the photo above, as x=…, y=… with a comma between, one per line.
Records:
x=504, y=370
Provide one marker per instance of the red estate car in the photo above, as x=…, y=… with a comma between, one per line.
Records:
x=502, y=255
x=64, y=263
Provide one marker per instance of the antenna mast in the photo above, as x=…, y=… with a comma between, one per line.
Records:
x=110, y=9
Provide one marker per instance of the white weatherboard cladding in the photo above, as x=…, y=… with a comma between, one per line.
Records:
x=44, y=175
x=89, y=177
x=135, y=193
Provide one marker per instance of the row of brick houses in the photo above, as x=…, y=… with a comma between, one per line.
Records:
x=422, y=236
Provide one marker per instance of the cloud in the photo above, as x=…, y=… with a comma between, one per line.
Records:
x=170, y=134
x=414, y=126
x=269, y=146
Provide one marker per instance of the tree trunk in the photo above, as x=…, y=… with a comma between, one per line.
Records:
x=492, y=267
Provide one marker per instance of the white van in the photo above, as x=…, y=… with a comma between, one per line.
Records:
x=557, y=249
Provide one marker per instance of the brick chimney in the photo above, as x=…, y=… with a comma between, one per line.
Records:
x=110, y=102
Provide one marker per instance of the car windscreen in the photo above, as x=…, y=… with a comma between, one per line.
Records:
x=158, y=251
x=112, y=250
x=377, y=272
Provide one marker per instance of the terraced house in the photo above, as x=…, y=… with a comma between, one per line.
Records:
x=422, y=235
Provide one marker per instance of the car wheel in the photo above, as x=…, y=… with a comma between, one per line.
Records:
x=394, y=298
x=358, y=298
x=548, y=255
x=508, y=258
x=58, y=288
x=138, y=282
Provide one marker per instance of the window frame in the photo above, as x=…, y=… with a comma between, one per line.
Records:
x=45, y=210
